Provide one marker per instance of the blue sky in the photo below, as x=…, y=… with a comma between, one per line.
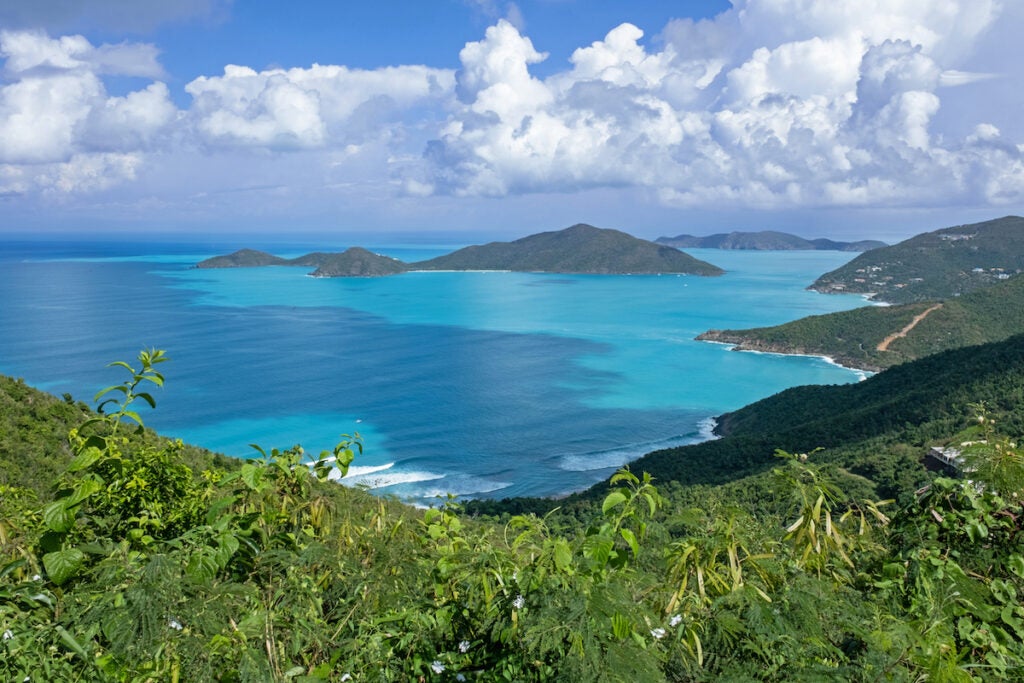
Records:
x=488, y=118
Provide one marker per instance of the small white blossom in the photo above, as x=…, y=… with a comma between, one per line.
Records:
x=675, y=620
x=437, y=667
x=346, y=677
x=8, y=634
x=460, y=677
x=658, y=633
x=36, y=577
x=175, y=624
x=519, y=602
x=464, y=646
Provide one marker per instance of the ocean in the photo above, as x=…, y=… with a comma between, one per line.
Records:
x=477, y=384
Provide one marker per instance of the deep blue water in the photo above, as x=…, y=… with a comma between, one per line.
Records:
x=477, y=384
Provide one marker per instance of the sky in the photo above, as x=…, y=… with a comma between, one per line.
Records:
x=488, y=119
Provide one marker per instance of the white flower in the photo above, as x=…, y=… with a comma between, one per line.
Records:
x=8, y=635
x=460, y=677
x=519, y=602
x=346, y=677
x=36, y=577
x=437, y=666
x=464, y=646
x=175, y=624
x=675, y=620
x=658, y=633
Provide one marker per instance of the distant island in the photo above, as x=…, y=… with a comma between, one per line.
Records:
x=358, y=262
x=934, y=265
x=354, y=262
x=765, y=240
x=579, y=249
x=957, y=296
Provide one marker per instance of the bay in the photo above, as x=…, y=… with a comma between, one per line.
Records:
x=473, y=383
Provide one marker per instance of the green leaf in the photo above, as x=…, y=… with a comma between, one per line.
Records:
x=10, y=567
x=976, y=531
x=1016, y=565
x=201, y=567
x=85, y=488
x=103, y=392
x=58, y=517
x=622, y=626
x=598, y=548
x=63, y=564
x=563, y=555
x=133, y=416
x=614, y=498
x=147, y=398
x=252, y=476
x=73, y=644
x=85, y=459
x=630, y=538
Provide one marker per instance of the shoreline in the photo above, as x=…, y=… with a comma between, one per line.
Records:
x=738, y=346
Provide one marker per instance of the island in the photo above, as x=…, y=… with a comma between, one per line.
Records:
x=358, y=262
x=765, y=240
x=579, y=249
x=934, y=265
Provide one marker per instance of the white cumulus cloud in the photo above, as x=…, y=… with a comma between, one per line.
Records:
x=59, y=128
x=774, y=103
x=308, y=108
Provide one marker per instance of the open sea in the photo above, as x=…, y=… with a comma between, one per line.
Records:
x=479, y=384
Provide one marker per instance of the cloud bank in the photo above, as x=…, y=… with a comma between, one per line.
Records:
x=776, y=103
x=772, y=104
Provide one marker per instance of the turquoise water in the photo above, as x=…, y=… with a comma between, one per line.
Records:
x=477, y=384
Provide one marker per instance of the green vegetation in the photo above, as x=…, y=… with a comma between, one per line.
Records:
x=764, y=240
x=577, y=249
x=353, y=262
x=878, y=337
x=935, y=265
x=358, y=262
x=738, y=562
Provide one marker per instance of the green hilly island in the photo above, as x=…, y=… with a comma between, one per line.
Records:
x=580, y=248
x=358, y=262
x=934, y=265
x=353, y=262
x=764, y=240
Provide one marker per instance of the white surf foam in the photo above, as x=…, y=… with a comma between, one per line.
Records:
x=381, y=476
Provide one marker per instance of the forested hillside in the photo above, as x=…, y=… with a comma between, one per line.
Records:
x=735, y=562
x=580, y=248
x=934, y=265
x=765, y=240
x=878, y=337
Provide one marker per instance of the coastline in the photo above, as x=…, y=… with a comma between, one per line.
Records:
x=838, y=362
